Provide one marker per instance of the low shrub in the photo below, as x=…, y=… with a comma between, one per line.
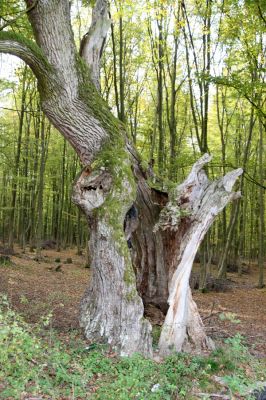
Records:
x=35, y=362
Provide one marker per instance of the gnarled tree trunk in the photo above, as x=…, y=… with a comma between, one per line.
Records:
x=113, y=193
x=111, y=310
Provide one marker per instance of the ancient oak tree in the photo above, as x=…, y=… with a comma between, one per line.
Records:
x=150, y=263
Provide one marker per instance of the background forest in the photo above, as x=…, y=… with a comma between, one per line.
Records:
x=186, y=77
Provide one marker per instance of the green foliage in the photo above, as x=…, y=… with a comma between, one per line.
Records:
x=29, y=364
x=37, y=363
x=156, y=332
x=5, y=261
x=229, y=317
x=56, y=199
x=235, y=360
x=90, y=3
x=13, y=14
x=237, y=348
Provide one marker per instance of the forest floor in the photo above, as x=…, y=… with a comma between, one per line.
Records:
x=35, y=289
x=47, y=357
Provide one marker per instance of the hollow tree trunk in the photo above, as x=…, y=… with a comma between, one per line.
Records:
x=149, y=250
x=165, y=243
x=171, y=227
x=197, y=201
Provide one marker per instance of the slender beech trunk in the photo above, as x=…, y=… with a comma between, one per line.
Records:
x=25, y=202
x=223, y=127
x=4, y=204
x=157, y=48
x=11, y=227
x=61, y=199
x=261, y=209
x=78, y=231
x=33, y=201
x=206, y=71
x=171, y=108
x=235, y=212
x=55, y=203
x=121, y=72
x=39, y=230
x=153, y=135
x=115, y=70
x=160, y=95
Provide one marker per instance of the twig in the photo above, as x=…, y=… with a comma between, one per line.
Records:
x=214, y=395
x=19, y=15
x=211, y=315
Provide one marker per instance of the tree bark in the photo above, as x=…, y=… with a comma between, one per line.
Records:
x=111, y=310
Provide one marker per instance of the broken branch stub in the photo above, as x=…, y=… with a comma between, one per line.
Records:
x=91, y=189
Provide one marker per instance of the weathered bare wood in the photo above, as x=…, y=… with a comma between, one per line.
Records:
x=93, y=42
x=197, y=201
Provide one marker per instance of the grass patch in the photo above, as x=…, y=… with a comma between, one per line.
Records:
x=5, y=261
x=35, y=362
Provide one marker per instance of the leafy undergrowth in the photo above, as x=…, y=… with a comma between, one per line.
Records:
x=35, y=362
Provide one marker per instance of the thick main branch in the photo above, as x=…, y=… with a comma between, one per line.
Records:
x=51, y=25
x=27, y=51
